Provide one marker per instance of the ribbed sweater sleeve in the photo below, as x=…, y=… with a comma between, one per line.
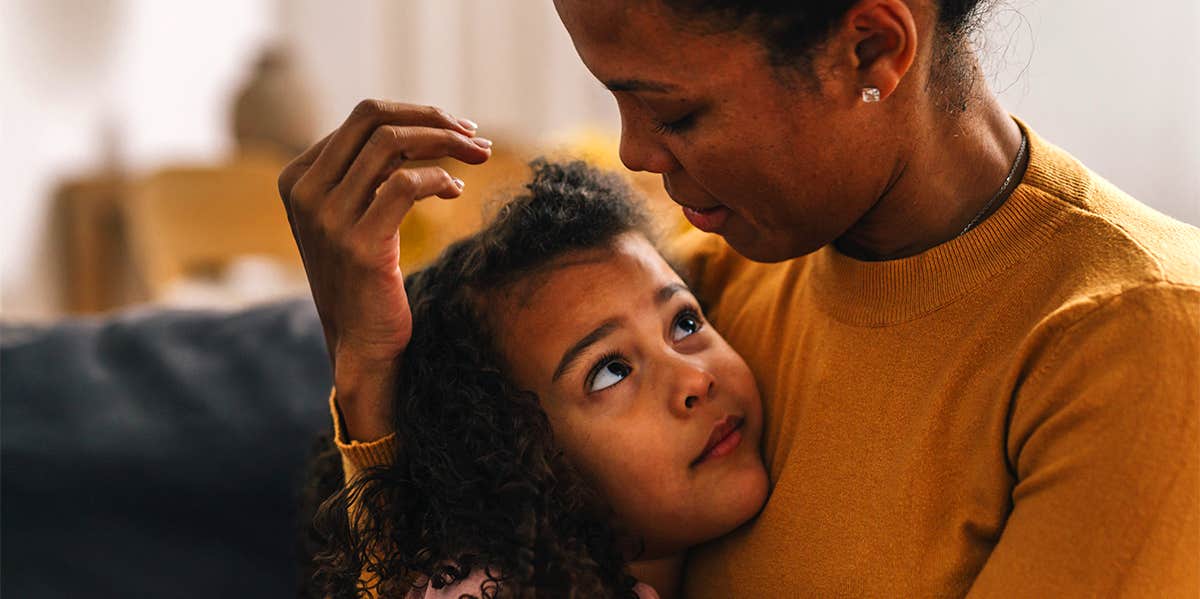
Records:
x=1104, y=439
x=358, y=455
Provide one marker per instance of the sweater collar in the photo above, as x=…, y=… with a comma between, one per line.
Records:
x=896, y=291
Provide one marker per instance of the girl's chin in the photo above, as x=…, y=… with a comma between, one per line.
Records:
x=743, y=496
x=736, y=500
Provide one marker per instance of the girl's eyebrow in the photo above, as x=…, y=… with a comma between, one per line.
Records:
x=669, y=291
x=588, y=340
x=605, y=329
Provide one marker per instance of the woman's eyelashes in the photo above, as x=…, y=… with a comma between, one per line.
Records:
x=613, y=367
x=674, y=127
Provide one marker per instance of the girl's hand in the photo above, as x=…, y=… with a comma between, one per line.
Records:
x=345, y=198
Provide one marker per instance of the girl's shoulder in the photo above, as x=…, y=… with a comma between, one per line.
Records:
x=645, y=591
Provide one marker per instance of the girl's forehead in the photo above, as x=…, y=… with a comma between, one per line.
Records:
x=579, y=279
x=543, y=315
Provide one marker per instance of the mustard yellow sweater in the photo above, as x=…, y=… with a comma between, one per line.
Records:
x=1014, y=413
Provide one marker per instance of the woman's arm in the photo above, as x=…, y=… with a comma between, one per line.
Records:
x=1104, y=440
x=345, y=198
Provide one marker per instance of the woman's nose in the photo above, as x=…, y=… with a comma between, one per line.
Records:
x=641, y=150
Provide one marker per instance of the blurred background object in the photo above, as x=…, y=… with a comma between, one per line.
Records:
x=152, y=451
x=142, y=139
x=273, y=112
x=106, y=101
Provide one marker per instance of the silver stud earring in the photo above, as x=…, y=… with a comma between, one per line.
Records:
x=870, y=95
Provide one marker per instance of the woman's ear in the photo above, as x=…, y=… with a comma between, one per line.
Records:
x=879, y=44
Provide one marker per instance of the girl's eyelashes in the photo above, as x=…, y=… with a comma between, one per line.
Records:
x=674, y=127
x=687, y=323
x=613, y=368
x=609, y=370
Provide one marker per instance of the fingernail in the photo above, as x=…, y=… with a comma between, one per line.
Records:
x=482, y=142
x=459, y=183
x=468, y=123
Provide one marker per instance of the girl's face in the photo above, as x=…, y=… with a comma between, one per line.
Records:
x=638, y=388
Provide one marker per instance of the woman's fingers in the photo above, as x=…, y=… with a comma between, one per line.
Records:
x=389, y=146
x=298, y=166
x=396, y=196
x=331, y=165
x=288, y=178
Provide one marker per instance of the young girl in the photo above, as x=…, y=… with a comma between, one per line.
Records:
x=567, y=424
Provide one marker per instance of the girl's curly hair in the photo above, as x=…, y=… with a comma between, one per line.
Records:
x=477, y=481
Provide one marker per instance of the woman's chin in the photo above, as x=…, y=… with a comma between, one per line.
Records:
x=769, y=245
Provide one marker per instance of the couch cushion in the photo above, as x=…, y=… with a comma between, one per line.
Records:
x=158, y=453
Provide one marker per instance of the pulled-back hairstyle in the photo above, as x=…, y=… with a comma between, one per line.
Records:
x=791, y=30
x=477, y=480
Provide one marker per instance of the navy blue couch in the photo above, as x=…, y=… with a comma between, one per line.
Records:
x=158, y=453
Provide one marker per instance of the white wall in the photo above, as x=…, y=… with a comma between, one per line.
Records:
x=146, y=79
x=1115, y=82
x=508, y=65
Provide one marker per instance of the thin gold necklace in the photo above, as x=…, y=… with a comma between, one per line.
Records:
x=1012, y=172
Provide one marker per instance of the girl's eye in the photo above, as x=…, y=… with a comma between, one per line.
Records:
x=609, y=372
x=686, y=324
x=676, y=126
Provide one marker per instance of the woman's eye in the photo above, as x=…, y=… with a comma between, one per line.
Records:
x=609, y=374
x=673, y=127
x=685, y=325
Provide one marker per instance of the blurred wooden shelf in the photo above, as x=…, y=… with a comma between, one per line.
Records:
x=132, y=241
x=97, y=278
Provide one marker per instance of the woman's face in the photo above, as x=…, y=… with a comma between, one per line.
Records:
x=795, y=160
x=638, y=388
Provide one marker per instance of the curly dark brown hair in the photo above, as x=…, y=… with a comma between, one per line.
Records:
x=477, y=480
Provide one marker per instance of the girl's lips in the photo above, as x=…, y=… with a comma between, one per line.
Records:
x=708, y=219
x=725, y=442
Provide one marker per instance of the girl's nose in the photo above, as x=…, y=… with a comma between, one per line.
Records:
x=695, y=386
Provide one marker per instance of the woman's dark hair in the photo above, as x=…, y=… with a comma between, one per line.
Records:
x=790, y=30
x=478, y=481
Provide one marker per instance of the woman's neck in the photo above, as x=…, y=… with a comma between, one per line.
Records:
x=664, y=574
x=953, y=169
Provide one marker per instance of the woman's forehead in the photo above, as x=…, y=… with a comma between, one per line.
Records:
x=632, y=41
x=612, y=20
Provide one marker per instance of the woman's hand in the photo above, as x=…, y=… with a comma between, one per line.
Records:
x=345, y=198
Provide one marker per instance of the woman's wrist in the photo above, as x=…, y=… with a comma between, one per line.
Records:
x=365, y=391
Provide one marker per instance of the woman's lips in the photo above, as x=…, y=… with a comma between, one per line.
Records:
x=707, y=219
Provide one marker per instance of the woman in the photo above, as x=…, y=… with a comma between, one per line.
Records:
x=980, y=361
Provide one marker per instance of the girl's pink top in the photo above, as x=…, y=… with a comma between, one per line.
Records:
x=470, y=586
